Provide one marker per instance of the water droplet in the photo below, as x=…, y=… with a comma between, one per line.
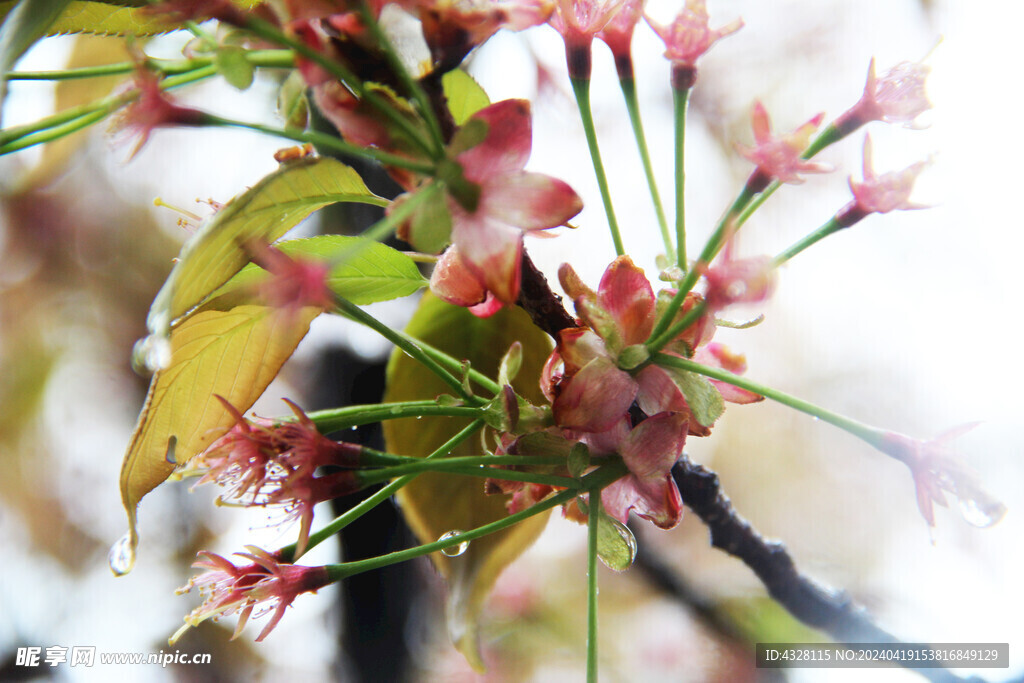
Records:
x=981, y=513
x=122, y=555
x=419, y=417
x=616, y=545
x=150, y=354
x=453, y=550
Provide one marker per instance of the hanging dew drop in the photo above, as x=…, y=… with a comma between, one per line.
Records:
x=453, y=550
x=121, y=557
x=981, y=513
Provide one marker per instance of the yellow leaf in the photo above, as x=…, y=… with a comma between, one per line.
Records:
x=436, y=503
x=232, y=350
x=265, y=212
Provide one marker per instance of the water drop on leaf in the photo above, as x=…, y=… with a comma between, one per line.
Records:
x=122, y=555
x=616, y=545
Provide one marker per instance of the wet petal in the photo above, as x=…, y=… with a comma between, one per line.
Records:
x=595, y=398
x=530, y=201
x=454, y=282
x=491, y=251
x=506, y=148
x=626, y=294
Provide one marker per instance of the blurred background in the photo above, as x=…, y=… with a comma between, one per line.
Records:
x=907, y=321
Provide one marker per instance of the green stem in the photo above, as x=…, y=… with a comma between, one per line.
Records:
x=474, y=467
x=581, y=88
x=411, y=84
x=282, y=59
x=287, y=554
x=453, y=365
x=593, y=520
x=329, y=142
x=337, y=419
x=595, y=480
x=858, y=429
x=349, y=309
x=660, y=335
x=270, y=32
x=628, y=86
x=13, y=139
x=681, y=98
x=821, y=233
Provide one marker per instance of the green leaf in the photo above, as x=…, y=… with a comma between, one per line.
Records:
x=125, y=18
x=23, y=26
x=437, y=503
x=375, y=272
x=430, y=229
x=232, y=348
x=292, y=105
x=705, y=402
x=234, y=67
x=616, y=545
x=465, y=96
x=265, y=212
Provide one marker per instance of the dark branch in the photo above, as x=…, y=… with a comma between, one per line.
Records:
x=544, y=306
x=813, y=604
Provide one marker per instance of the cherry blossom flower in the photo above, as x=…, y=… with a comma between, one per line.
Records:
x=454, y=27
x=266, y=583
x=153, y=109
x=896, y=97
x=938, y=470
x=618, y=33
x=778, y=157
x=495, y=201
x=295, y=283
x=274, y=465
x=880, y=194
x=689, y=36
x=579, y=21
x=649, y=450
x=739, y=281
x=582, y=378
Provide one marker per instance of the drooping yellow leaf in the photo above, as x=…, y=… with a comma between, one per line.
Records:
x=228, y=347
x=265, y=212
x=436, y=503
x=124, y=18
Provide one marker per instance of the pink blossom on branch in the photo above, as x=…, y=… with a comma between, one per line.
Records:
x=880, y=194
x=778, y=157
x=896, y=97
x=266, y=583
x=689, y=35
x=488, y=232
x=937, y=470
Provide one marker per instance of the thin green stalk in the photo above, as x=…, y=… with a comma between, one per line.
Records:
x=349, y=309
x=862, y=431
x=595, y=480
x=628, y=86
x=268, y=31
x=336, y=419
x=681, y=97
x=54, y=133
x=89, y=112
x=453, y=365
x=330, y=142
x=581, y=88
x=593, y=519
x=470, y=467
x=282, y=59
x=821, y=233
x=411, y=84
x=287, y=554
x=726, y=227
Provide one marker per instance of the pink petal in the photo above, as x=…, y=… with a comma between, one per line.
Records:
x=761, y=124
x=626, y=294
x=654, y=445
x=491, y=251
x=578, y=347
x=595, y=398
x=658, y=393
x=454, y=282
x=530, y=201
x=659, y=501
x=506, y=148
